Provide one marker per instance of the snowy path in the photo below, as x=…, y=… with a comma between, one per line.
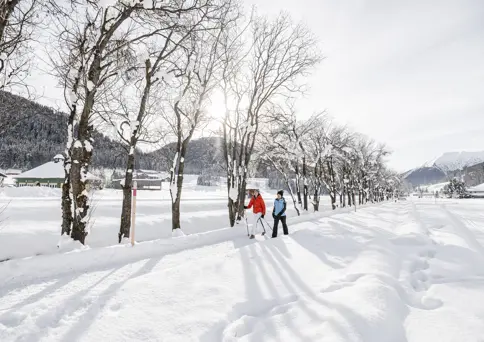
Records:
x=389, y=273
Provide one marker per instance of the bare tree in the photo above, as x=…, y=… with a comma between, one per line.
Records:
x=279, y=149
x=198, y=79
x=95, y=46
x=278, y=54
x=18, y=19
x=319, y=150
x=291, y=142
x=158, y=67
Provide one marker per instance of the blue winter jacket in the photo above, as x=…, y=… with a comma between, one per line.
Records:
x=279, y=207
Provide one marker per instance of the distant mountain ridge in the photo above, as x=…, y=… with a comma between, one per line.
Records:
x=424, y=175
x=438, y=169
x=453, y=161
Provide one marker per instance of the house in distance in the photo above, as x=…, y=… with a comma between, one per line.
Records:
x=50, y=174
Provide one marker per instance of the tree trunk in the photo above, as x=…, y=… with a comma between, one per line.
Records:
x=232, y=211
x=231, y=204
x=6, y=10
x=305, y=189
x=175, y=214
x=241, y=199
x=343, y=197
x=80, y=206
x=316, y=200
x=298, y=186
x=66, y=205
x=332, y=195
x=81, y=161
x=125, y=226
x=66, y=199
x=175, y=208
x=305, y=185
x=81, y=156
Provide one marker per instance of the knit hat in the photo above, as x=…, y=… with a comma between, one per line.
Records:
x=281, y=192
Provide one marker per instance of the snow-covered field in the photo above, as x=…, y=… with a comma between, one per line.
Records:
x=394, y=272
x=32, y=219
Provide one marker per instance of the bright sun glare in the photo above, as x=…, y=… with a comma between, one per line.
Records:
x=217, y=106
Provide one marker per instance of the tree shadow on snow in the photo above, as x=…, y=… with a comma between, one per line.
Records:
x=339, y=246
x=246, y=315
x=352, y=319
x=57, y=285
x=84, y=322
x=264, y=299
x=77, y=301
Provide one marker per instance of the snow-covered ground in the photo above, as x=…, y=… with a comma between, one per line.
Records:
x=394, y=272
x=434, y=187
x=31, y=222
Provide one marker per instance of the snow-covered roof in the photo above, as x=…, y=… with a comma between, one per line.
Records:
x=49, y=170
x=13, y=171
x=477, y=188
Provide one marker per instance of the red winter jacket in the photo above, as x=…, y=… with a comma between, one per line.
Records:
x=258, y=204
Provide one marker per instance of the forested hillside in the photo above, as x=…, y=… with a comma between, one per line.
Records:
x=31, y=134
x=204, y=155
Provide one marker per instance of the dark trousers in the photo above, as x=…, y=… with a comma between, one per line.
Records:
x=276, y=224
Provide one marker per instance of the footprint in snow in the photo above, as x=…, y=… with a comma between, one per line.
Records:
x=246, y=317
x=12, y=319
x=431, y=303
x=347, y=281
x=115, y=307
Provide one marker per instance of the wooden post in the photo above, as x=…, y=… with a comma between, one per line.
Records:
x=133, y=213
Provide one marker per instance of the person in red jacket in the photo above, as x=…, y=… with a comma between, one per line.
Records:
x=259, y=210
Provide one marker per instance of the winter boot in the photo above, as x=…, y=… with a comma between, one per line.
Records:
x=252, y=237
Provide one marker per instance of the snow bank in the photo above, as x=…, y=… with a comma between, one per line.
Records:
x=32, y=219
x=30, y=192
x=117, y=254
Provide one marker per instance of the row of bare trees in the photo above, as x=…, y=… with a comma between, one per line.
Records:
x=145, y=68
x=149, y=70
x=317, y=156
x=265, y=65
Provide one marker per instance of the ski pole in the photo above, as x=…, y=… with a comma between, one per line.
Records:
x=262, y=224
x=268, y=225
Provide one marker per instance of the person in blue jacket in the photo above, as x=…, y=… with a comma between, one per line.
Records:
x=279, y=213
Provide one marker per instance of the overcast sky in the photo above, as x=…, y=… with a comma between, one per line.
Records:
x=407, y=73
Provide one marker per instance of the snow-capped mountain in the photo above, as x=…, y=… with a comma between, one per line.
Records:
x=436, y=169
x=452, y=161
